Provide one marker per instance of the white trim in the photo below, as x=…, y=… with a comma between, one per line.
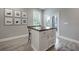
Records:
x=58, y=25
x=11, y=38
x=69, y=39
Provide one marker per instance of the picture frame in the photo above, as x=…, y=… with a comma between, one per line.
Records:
x=17, y=13
x=8, y=21
x=8, y=12
x=24, y=15
x=17, y=21
x=24, y=21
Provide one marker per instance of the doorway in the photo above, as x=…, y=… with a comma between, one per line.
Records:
x=55, y=23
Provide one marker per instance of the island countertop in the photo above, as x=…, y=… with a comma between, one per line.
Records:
x=41, y=28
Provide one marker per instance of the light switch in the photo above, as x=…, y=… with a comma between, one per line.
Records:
x=65, y=23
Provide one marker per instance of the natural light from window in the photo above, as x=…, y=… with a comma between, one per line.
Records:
x=36, y=17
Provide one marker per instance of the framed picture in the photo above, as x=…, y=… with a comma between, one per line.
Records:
x=17, y=21
x=24, y=15
x=17, y=14
x=24, y=21
x=8, y=12
x=8, y=21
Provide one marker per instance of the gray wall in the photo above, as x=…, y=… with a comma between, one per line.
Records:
x=16, y=30
x=30, y=16
x=69, y=23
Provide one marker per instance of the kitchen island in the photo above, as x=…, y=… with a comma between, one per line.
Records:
x=42, y=38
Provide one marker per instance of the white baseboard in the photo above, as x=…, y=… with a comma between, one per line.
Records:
x=69, y=39
x=11, y=38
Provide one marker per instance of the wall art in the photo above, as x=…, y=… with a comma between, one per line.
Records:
x=17, y=21
x=24, y=21
x=8, y=21
x=8, y=12
x=24, y=15
x=17, y=14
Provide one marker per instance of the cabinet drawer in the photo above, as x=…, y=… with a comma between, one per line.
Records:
x=43, y=34
x=43, y=44
x=47, y=34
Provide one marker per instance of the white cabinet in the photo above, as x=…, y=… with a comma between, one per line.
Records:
x=42, y=40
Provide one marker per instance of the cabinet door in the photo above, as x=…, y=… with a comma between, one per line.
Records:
x=51, y=37
x=43, y=41
x=35, y=39
x=47, y=39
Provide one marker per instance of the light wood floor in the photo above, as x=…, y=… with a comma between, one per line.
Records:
x=18, y=45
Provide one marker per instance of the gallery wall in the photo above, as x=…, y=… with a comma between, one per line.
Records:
x=15, y=30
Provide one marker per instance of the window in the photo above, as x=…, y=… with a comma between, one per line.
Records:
x=48, y=20
x=36, y=17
